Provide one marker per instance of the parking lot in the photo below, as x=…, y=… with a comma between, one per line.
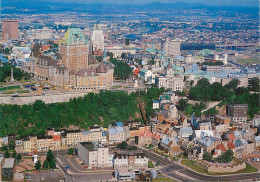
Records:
x=48, y=176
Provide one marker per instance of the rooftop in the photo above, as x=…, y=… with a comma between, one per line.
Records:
x=8, y=163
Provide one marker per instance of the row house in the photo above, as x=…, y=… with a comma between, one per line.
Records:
x=130, y=159
x=34, y=143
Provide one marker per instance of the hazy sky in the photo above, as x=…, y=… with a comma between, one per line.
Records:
x=208, y=2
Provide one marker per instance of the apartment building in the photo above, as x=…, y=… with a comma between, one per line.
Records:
x=93, y=155
x=237, y=112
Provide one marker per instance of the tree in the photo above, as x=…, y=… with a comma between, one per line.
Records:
x=53, y=164
x=122, y=145
x=7, y=154
x=253, y=84
x=4, y=147
x=110, y=54
x=38, y=105
x=183, y=104
x=46, y=164
x=122, y=70
x=211, y=111
x=50, y=156
x=38, y=165
x=127, y=42
x=7, y=51
x=123, y=55
x=11, y=145
x=14, y=154
x=19, y=157
x=233, y=84
x=241, y=91
x=132, y=148
x=71, y=151
x=207, y=156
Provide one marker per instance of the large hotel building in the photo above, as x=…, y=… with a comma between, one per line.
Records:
x=74, y=66
x=10, y=29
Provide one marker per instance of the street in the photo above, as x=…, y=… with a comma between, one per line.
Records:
x=184, y=174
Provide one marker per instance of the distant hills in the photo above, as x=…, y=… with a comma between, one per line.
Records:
x=40, y=6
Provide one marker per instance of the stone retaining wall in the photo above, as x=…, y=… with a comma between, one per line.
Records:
x=48, y=98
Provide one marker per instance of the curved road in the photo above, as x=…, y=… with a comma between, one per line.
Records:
x=174, y=170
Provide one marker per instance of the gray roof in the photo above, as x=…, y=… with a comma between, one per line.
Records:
x=8, y=163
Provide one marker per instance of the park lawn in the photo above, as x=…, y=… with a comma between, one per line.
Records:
x=16, y=91
x=179, y=156
x=185, y=157
x=192, y=165
x=248, y=169
x=164, y=179
x=10, y=88
x=175, y=159
x=150, y=164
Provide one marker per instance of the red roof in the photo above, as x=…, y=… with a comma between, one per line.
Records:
x=166, y=131
x=56, y=137
x=221, y=147
x=45, y=47
x=146, y=134
x=231, y=145
x=231, y=137
x=233, y=129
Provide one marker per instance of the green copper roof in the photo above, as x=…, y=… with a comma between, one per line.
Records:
x=73, y=36
x=206, y=52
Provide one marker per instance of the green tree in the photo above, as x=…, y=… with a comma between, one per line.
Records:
x=11, y=145
x=211, y=111
x=132, y=148
x=46, y=164
x=38, y=165
x=49, y=156
x=38, y=105
x=4, y=147
x=7, y=154
x=19, y=157
x=127, y=42
x=122, y=70
x=14, y=154
x=71, y=151
x=241, y=91
x=123, y=145
x=123, y=55
x=207, y=156
x=7, y=51
x=183, y=104
x=53, y=164
x=253, y=84
x=233, y=84
x=111, y=55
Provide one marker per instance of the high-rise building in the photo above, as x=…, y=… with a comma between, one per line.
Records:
x=10, y=29
x=172, y=48
x=74, y=50
x=97, y=38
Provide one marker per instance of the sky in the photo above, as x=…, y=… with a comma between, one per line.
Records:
x=207, y=2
